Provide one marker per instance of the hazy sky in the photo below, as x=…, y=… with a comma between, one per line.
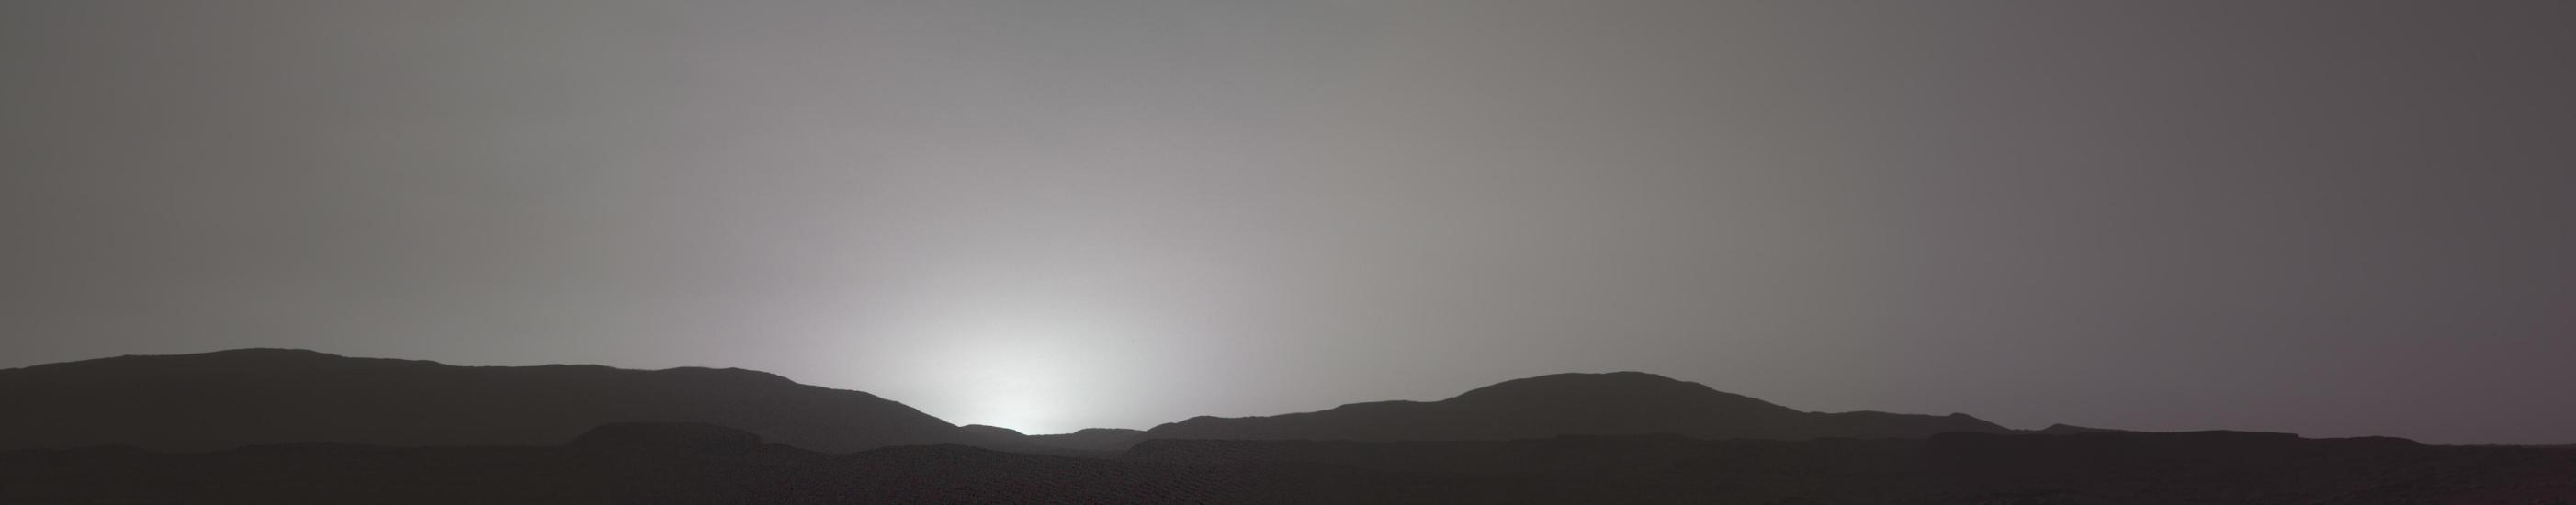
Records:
x=2330, y=218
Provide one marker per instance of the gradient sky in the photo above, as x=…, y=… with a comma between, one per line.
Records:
x=2332, y=218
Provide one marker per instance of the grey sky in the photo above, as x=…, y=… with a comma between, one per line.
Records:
x=2333, y=218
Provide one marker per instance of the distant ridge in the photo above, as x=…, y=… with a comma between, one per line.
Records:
x=1619, y=403
x=225, y=399
x=1093, y=439
x=2069, y=429
x=234, y=398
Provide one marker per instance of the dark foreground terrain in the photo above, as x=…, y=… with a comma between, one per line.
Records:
x=698, y=463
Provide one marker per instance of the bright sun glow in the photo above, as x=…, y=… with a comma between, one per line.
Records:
x=1031, y=365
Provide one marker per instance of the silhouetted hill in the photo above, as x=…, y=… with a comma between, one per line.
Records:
x=990, y=432
x=1092, y=439
x=1573, y=404
x=269, y=396
x=266, y=396
x=2069, y=429
x=695, y=463
x=1873, y=424
x=1010, y=440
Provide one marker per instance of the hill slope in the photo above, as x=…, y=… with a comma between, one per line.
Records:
x=1620, y=403
x=245, y=397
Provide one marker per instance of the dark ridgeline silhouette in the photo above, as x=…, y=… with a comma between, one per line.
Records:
x=227, y=399
x=1619, y=403
x=235, y=398
x=1092, y=439
x=1092, y=442
x=328, y=429
x=2068, y=429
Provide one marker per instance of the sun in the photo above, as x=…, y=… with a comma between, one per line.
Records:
x=1029, y=370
